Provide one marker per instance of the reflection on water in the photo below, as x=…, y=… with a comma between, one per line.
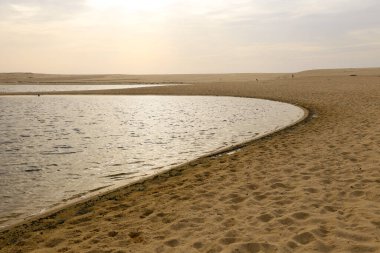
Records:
x=56, y=147
x=4, y=88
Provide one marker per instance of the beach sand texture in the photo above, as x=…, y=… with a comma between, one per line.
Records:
x=313, y=187
x=25, y=78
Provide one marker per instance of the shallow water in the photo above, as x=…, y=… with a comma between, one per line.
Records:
x=54, y=148
x=72, y=87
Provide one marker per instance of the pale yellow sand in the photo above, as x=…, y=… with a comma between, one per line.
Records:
x=25, y=78
x=314, y=187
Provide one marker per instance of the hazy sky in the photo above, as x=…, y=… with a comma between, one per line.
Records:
x=187, y=36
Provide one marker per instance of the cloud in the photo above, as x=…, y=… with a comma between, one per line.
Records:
x=150, y=36
x=39, y=10
x=279, y=21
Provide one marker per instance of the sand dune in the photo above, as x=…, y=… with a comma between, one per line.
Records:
x=314, y=187
x=341, y=72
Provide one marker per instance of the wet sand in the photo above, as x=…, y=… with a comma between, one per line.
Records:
x=313, y=187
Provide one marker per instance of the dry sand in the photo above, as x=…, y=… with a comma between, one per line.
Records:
x=314, y=187
x=31, y=78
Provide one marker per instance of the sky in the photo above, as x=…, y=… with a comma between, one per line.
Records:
x=187, y=36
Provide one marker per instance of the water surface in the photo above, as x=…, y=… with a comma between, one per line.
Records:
x=71, y=87
x=54, y=148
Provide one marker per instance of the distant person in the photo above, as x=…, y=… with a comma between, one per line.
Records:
x=38, y=95
x=292, y=75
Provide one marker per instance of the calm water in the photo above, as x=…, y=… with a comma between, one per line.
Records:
x=57, y=147
x=41, y=88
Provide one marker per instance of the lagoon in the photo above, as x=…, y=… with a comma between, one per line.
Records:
x=56, y=148
x=7, y=88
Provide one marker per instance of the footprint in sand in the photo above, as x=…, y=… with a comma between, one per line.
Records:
x=265, y=217
x=304, y=238
x=250, y=247
x=172, y=243
x=301, y=215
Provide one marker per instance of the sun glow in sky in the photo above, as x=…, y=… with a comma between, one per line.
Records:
x=129, y=5
x=187, y=36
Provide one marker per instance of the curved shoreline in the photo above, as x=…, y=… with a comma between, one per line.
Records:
x=113, y=189
x=313, y=187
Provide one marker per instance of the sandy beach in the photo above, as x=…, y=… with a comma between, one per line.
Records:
x=313, y=187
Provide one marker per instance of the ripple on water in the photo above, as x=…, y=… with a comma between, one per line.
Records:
x=42, y=88
x=75, y=145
